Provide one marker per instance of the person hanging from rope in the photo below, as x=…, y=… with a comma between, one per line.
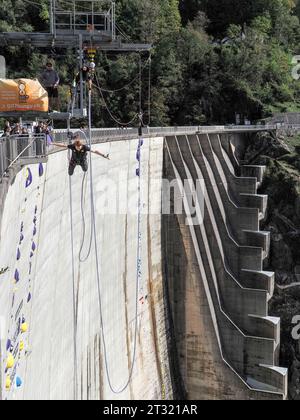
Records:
x=87, y=78
x=79, y=154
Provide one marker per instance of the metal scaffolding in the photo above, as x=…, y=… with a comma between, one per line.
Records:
x=77, y=24
x=94, y=16
x=93, y=20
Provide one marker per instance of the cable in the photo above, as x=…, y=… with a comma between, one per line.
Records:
x=33, y=3
x=61, y=5
x=74, y=295
x=68, y=6
x=149, y=91
x=118, y=27
x=140, y=86
x=138, y=272
x=139, y=76
x=112, y=116
x=84, y=259
x=129, y=84
x=108, y=110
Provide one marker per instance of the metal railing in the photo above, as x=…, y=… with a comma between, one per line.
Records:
x=25, y=148
x=77, y=22
x=30, y=148
x=97, y=16
x=114, y=134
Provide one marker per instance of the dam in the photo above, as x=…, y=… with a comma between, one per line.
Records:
x=130, y=302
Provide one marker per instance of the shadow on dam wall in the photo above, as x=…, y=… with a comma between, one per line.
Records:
x=203, y=331
x=225, y=343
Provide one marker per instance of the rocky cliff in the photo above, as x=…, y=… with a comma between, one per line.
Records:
x=281, y=154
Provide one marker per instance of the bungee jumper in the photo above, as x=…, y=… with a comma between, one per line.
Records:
x=87, y=77
x=79, y=154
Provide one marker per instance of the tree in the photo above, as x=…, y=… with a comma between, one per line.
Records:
x=189, y=10
x=196, y=78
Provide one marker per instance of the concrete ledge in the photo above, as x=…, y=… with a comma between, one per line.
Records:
x=230, y=225
x=268, y=326
x=32, y=160
x=259, y=239
x=254, y=171
x=264, y=280
x=276, y=376
x=251, y=258
x=255, y=201
x=236, y=185
x=238, y=218
x=234, y=147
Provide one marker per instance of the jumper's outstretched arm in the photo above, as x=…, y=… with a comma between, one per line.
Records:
x=62, y=146
x=100, y=154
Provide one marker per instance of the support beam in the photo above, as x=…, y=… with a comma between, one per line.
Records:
x=46, y=40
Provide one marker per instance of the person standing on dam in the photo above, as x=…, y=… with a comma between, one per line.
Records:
x=79, y=154
x=50, y=81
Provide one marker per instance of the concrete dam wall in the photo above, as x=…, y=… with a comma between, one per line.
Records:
x=160, y=308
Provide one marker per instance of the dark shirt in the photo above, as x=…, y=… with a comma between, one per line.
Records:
x=49, y=78
x=86, y=76
x=38, y=130
x=79, y=156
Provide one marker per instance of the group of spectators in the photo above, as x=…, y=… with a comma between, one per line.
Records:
x=14, y=130
x=50, y=80
x=28, y=129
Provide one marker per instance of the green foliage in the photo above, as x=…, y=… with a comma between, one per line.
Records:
x=280, y=184
x=262, y=24
x=293, y=142
x=196, y=78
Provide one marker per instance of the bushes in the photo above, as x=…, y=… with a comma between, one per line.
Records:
x=196, y=77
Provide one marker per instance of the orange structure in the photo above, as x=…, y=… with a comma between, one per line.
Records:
x=22, y=95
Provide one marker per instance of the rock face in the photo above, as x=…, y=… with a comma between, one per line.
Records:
x=282, y=184
x=265, y=142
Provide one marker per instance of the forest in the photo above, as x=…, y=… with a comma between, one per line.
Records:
x=211, y=59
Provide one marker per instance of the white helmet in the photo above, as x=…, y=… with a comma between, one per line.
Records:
x=92, y=65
